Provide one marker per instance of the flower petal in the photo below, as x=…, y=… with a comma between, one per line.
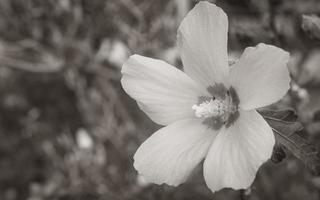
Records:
x=202, y=40
x=261, y=76
x=237, y=152
x=163, y=92
x=171, y=153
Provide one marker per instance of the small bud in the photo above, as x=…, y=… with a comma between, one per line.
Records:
x=311, y=25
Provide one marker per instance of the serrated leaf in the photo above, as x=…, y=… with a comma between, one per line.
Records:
x=286, y=127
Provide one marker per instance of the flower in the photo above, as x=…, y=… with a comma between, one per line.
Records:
x=209, y=111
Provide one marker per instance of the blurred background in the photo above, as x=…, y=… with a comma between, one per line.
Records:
x=68, y=130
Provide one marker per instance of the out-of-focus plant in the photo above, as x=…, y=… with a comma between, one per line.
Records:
x=311, y=25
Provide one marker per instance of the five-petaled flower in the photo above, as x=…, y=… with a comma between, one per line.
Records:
x=210, y=109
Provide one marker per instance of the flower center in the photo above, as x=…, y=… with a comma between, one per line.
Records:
x=219, y=109
x=212, y=108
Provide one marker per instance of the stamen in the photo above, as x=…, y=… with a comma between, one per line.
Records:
x=212, y=108
x=221, y=109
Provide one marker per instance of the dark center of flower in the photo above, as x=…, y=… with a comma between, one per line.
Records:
x=219, y=109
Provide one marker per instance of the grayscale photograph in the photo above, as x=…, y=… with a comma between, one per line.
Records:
x=159, y=99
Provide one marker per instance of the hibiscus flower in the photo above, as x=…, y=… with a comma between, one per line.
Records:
x=209, y=109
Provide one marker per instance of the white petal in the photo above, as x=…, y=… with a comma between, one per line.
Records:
x=202, y=40
x=164, y=92
x=238, y=151
x=171, y=153
x=261, y=76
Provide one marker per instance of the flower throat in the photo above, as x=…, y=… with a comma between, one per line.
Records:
x=219, y=109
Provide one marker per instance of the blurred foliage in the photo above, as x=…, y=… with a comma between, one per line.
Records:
x=311, y=24
x=67, y=129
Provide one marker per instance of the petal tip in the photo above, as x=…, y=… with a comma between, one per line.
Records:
x=206, y=4
x=284, y=53
x=126, y=63
x=154, y=179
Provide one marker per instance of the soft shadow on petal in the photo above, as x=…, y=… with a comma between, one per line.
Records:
x=171, y=153
x=164, y=93
x=261, y=76
x=202, y=41
x=238, y=151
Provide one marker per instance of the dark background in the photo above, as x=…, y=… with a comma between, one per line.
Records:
x=68, y=130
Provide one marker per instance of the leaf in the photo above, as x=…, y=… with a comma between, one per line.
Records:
x=311, y=25
x=286, y=127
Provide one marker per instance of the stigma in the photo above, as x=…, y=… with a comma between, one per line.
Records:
x=210, y=108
